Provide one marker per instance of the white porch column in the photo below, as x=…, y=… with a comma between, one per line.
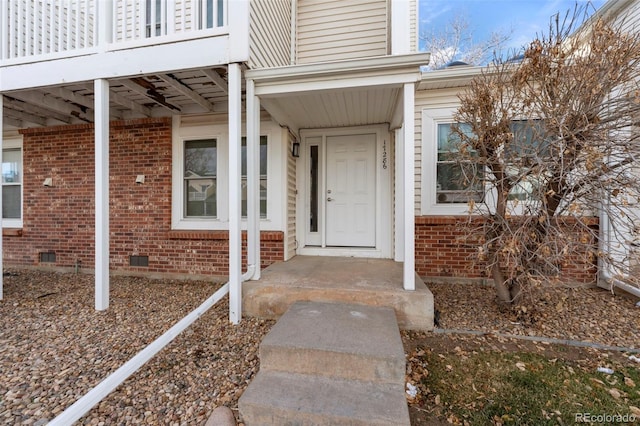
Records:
x=253, y=179
x=1, y=225
x=235, y=236
x=101, y=99
x=409, y=187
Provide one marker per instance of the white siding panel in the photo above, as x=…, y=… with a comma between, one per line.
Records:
x=630, y=18
x=338, y=29
x=270, y=33
x=290, y=242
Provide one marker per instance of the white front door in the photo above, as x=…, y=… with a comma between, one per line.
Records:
x=350, y=194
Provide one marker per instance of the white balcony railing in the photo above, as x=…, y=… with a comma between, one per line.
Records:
x=32, y=30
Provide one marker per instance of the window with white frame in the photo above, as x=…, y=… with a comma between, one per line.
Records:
x=12, y=183
x=200, y=173
x=200, y=188
x=448, y=186
x=455, y=183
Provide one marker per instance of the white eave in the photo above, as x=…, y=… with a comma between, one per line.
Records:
x=334, y=94
x=391, y=63
x=447, y=78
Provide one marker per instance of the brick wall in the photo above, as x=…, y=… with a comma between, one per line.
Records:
x=441, y=251
x=60, y=218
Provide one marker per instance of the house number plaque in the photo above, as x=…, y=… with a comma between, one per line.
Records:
x=384, y=155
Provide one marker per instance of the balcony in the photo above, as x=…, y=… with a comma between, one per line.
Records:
x=67, y=37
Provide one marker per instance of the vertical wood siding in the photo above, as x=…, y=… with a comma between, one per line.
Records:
x=270, y=33
x=329, y=30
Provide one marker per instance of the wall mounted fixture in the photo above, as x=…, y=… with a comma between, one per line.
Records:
x=140, y=179
x=48, y=182
x=295, y=149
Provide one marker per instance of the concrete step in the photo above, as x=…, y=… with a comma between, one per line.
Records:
x=374, y=282
x=277, y=398
x=336, y=340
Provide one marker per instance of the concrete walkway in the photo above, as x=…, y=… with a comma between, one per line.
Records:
x=373, y=282
x=329, y=364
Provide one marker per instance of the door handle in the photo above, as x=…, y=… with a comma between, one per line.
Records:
x=329, y=199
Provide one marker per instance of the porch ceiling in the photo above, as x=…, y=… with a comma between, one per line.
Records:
x=336, y=94
x=335, y=108
x=182, y=92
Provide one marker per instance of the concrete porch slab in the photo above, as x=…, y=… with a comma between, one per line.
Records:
x=372, y=282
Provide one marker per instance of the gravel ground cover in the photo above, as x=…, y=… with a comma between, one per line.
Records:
x=579, y=313
x=54, y=347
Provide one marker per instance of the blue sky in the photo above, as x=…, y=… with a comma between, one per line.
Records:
x=525, y=17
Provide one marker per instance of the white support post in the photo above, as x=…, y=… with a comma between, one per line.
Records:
x=1, y=225
x=399, y=196
x=101, y=97
x=253, y=179
x=409, y=188
x=238, y=23
x=235, y=236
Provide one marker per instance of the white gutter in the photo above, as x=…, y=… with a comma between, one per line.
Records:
x=605, y=274
x=115, y=379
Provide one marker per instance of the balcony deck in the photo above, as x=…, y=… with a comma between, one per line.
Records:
x=70, y=41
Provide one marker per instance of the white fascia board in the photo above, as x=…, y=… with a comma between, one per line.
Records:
x=192, y=54
x=452, y=77
x=314, y=85
x=335, y=68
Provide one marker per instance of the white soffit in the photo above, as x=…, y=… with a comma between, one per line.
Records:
x=332, y=108
x=336, y=94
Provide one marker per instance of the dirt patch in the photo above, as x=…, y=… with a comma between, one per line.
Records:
x=580, y=314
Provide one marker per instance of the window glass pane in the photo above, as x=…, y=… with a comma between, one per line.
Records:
x=200, y=171
x=455, y=183
x=528, y=140
x=11, y=165
x=528, y=147
x=200, y=158
x=11, y=180
x=220, y=13
x=201, y=197
x=11, y=206
x=263, y=176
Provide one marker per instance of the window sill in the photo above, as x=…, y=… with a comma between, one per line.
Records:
x=221, y=235
x=12, y=232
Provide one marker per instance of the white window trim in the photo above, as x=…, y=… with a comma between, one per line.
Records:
x=13, y=143
x=431, y=117
x=276, y=158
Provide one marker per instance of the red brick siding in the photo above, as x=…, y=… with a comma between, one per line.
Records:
x=442, y=252
x=61, y=218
